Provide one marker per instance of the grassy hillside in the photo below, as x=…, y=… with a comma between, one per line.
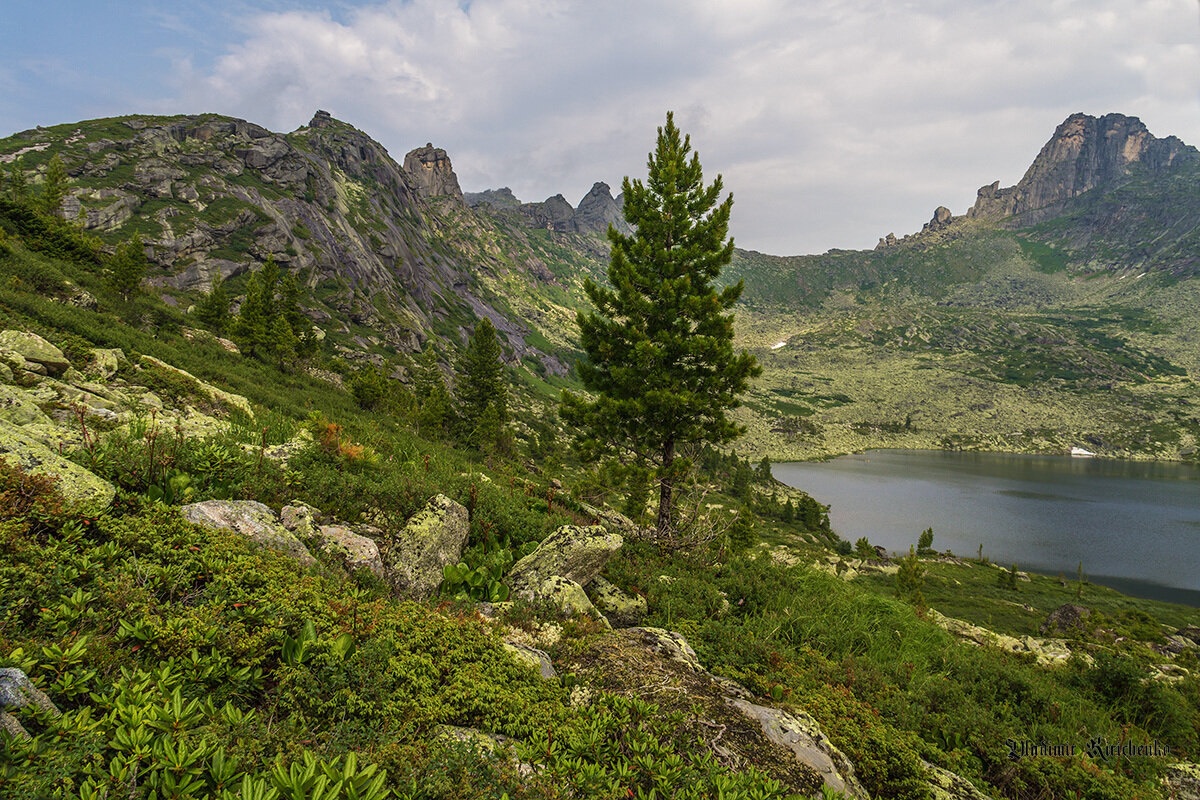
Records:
x=189, y=662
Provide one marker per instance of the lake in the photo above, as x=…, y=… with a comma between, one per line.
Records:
x=1134, y=525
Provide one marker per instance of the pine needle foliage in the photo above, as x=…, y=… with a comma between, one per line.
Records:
x=660, y=358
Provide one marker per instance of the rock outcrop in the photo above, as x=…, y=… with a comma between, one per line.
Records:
x=250, y=519
x=88, y=492
x=432, y=174
x=17, y=691
x=496, y=198
x=432, y=538
x=621, y=609
x=572, y=552
x=597, y=210
x=1085, y=152
x=1065, y=619
x=1047, y=652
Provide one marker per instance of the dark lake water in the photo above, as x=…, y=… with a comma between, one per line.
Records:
x=1134, y=525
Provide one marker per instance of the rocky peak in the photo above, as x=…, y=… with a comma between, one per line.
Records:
x=597, y=210
x=554, y=213
x=431, y=172
x=322, y=119
x=497, y=198
x=1084, y=152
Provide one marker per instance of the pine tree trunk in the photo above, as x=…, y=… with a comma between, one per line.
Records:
x=666, y=485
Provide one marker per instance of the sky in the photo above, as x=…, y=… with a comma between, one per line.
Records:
x=832, y=122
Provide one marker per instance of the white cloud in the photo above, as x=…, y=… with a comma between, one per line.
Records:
x=832, y=122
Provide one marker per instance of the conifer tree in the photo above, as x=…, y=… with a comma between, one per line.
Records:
x=127, y=266
x=289, y=306
x=17, y=185
x=429, y=386
x=764, y=469
x=254, y=325
x=482, y=393
x=54, y=188
x=213, y=310
x=660, y=359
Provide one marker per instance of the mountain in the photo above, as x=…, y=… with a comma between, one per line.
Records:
x=1053, y=313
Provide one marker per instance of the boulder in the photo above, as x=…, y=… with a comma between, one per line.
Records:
x=1066, y=618
x=572, y=552
x=229, y=399
x=355, y=551
x=17, y=691
x=300, y=518
x=252, y=520
x=668, y=644
x=621, y=609
x=564, y=594
x=801, y=734
x=6, y=373
x=537, y=659
x=945, y=785
x=106, y=362
x=90, y=493
x=16, y=407
x=431, y=539
x=1183, y=781
x=34, y=348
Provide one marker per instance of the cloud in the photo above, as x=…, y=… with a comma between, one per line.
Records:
x=833, y=122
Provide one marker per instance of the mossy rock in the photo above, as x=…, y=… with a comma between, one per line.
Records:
x=622, y=610
x=19, y=409
x=252, y=520
x=89, y=493
x=431, y=539
x=574, y=552
x=34, y=348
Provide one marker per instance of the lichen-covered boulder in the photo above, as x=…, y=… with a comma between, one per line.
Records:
x=801, y=734
x=252, y=520
x=572, y=552
x=431, y=539
x=228, y=399
x=1066, y=618
x=565, y=595
x=669, y=644
x=622, y=610
x=537, y=659
x=355, y=551
x=106, y=362
x=34, y=348
x=1183, y=781
x=6, y=373
x=300, y=518
x=17, y=407
x=946, y=785
x=90, y=493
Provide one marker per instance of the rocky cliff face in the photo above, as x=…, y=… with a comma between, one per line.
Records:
x=1084, y=153
x=430, y=169
x=390, y=254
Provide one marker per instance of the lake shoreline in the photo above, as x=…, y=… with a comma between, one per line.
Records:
x=1132, y=523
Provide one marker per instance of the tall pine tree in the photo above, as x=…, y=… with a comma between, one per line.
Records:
x=433, y=399
x=482, y=391
x=127, y=266
x=213, y=310
x=54, y=188
x=660, y=358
